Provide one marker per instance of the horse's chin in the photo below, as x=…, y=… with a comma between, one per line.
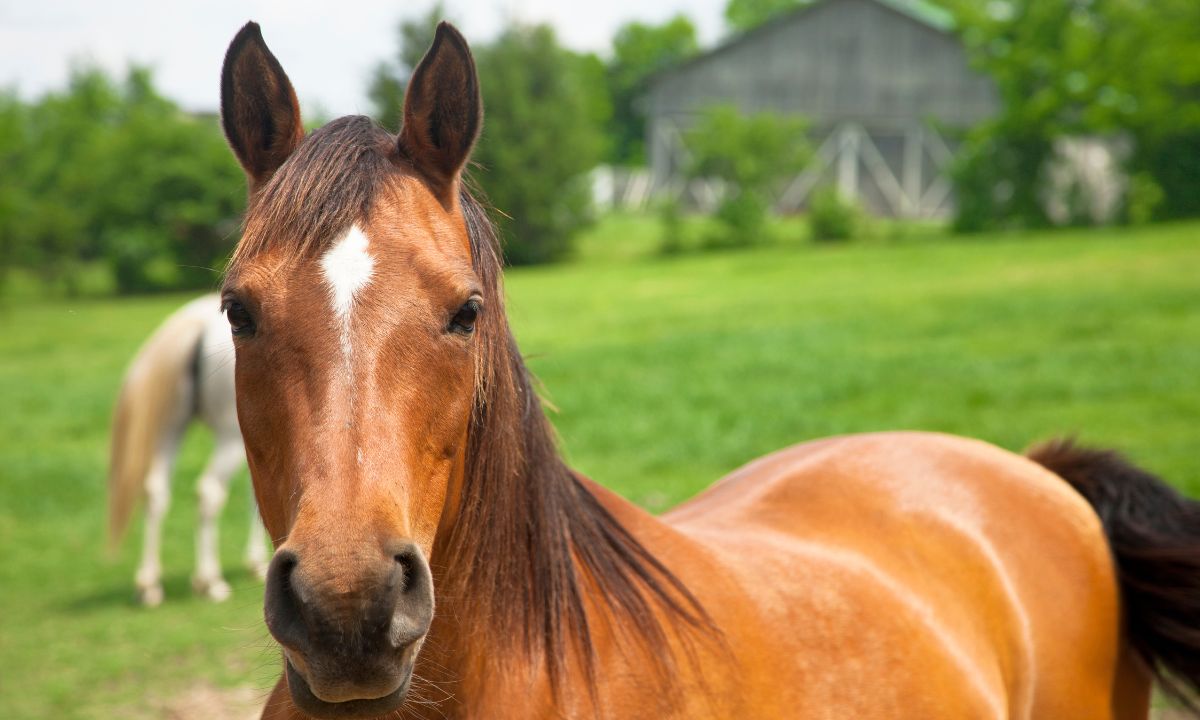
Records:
x=309, y=703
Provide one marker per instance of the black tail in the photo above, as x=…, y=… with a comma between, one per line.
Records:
x=1154, y=533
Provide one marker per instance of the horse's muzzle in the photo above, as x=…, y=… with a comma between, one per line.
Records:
x=351, y=627
x=308, y=702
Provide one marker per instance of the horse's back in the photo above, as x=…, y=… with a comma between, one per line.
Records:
x=916, y=575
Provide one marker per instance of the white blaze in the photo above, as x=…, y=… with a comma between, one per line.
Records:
x=347, y=267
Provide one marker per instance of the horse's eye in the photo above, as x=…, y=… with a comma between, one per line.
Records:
x=464, y=320
x=240, y=322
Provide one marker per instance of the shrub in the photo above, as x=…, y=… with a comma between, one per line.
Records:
x=671, y=221
x=1143, y=199
x=751, y=155
x=832, y=217
x=743, y=218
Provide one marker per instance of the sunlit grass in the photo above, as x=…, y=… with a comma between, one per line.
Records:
x=666, y=373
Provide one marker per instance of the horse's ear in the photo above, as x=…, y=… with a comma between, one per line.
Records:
x=259, y=110
x=442, y=112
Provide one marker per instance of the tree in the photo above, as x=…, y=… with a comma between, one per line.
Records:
x=388, y=79
x=751, y=155
x=1156, y=77
x=66, y=135
x=1035, y=51
x=545, y=111
x=114, y=172
x=742, y=15
x=1066, y=68
x=639, y=51
x=13, y=197
x=172, y=193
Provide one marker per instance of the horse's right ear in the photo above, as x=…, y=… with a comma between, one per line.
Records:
x=259, y=110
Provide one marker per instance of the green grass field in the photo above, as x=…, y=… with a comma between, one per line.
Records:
x=666, y=374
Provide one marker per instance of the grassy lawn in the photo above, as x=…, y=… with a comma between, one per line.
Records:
x=666, y=374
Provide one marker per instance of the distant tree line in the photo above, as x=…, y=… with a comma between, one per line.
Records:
x=113, y=172
x=109, y=171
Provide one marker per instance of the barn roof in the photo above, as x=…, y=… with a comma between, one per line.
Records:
x=921, y=11
x=936, y=17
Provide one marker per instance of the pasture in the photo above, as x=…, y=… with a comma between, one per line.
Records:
x=665, y=374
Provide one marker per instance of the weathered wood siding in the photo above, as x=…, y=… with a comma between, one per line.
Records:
x=839, y=60
x=875, y=79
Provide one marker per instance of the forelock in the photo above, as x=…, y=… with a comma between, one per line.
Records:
x=327, y=185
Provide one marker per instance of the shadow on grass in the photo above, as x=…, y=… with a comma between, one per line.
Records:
x=177, y=588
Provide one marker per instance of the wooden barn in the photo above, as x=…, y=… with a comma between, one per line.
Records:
x=884, y=84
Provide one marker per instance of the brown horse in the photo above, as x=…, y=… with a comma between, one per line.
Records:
x=401, y=461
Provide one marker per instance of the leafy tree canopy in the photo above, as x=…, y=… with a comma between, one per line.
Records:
x=742, y=15
x=545, y=112
x=112, y=171
x=639, y=51
x=1066, y=67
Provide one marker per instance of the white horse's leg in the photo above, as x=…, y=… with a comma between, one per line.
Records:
x=256, y=545
x=158, y=499
x=213, y=490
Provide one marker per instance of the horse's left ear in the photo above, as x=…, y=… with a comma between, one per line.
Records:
x=259, y=110
x=442, y=112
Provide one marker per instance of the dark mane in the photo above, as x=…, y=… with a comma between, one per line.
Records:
x=530, y=541
x=559, y=542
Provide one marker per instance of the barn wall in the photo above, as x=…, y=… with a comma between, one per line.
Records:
x=842, y=59
x=853, y=68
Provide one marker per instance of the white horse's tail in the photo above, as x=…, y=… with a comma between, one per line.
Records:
x=157, y=387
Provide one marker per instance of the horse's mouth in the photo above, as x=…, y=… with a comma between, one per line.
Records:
x=303, y=697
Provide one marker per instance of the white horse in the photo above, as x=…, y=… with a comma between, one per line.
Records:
x=183, y=372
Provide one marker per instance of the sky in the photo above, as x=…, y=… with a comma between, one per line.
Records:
x=327, y=48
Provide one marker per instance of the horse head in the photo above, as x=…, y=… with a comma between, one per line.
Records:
x=353, y=302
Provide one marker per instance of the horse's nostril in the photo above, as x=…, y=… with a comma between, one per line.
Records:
x=404, y=570
x=282, y=602
x=410, y=572
x=285, y=562
x=412, y=610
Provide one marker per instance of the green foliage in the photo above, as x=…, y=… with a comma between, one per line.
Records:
x=832, y=217
x=751, y=155
x=743, y=219
x=998, y=178
x=639, y=51
x=14, y=198
x=545, y=110
x=116, y=172
x=1172, y=160
x=1142, y=199
x=743, y=15
x=670, y=217
x=388, y=79
x=1067, y=68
